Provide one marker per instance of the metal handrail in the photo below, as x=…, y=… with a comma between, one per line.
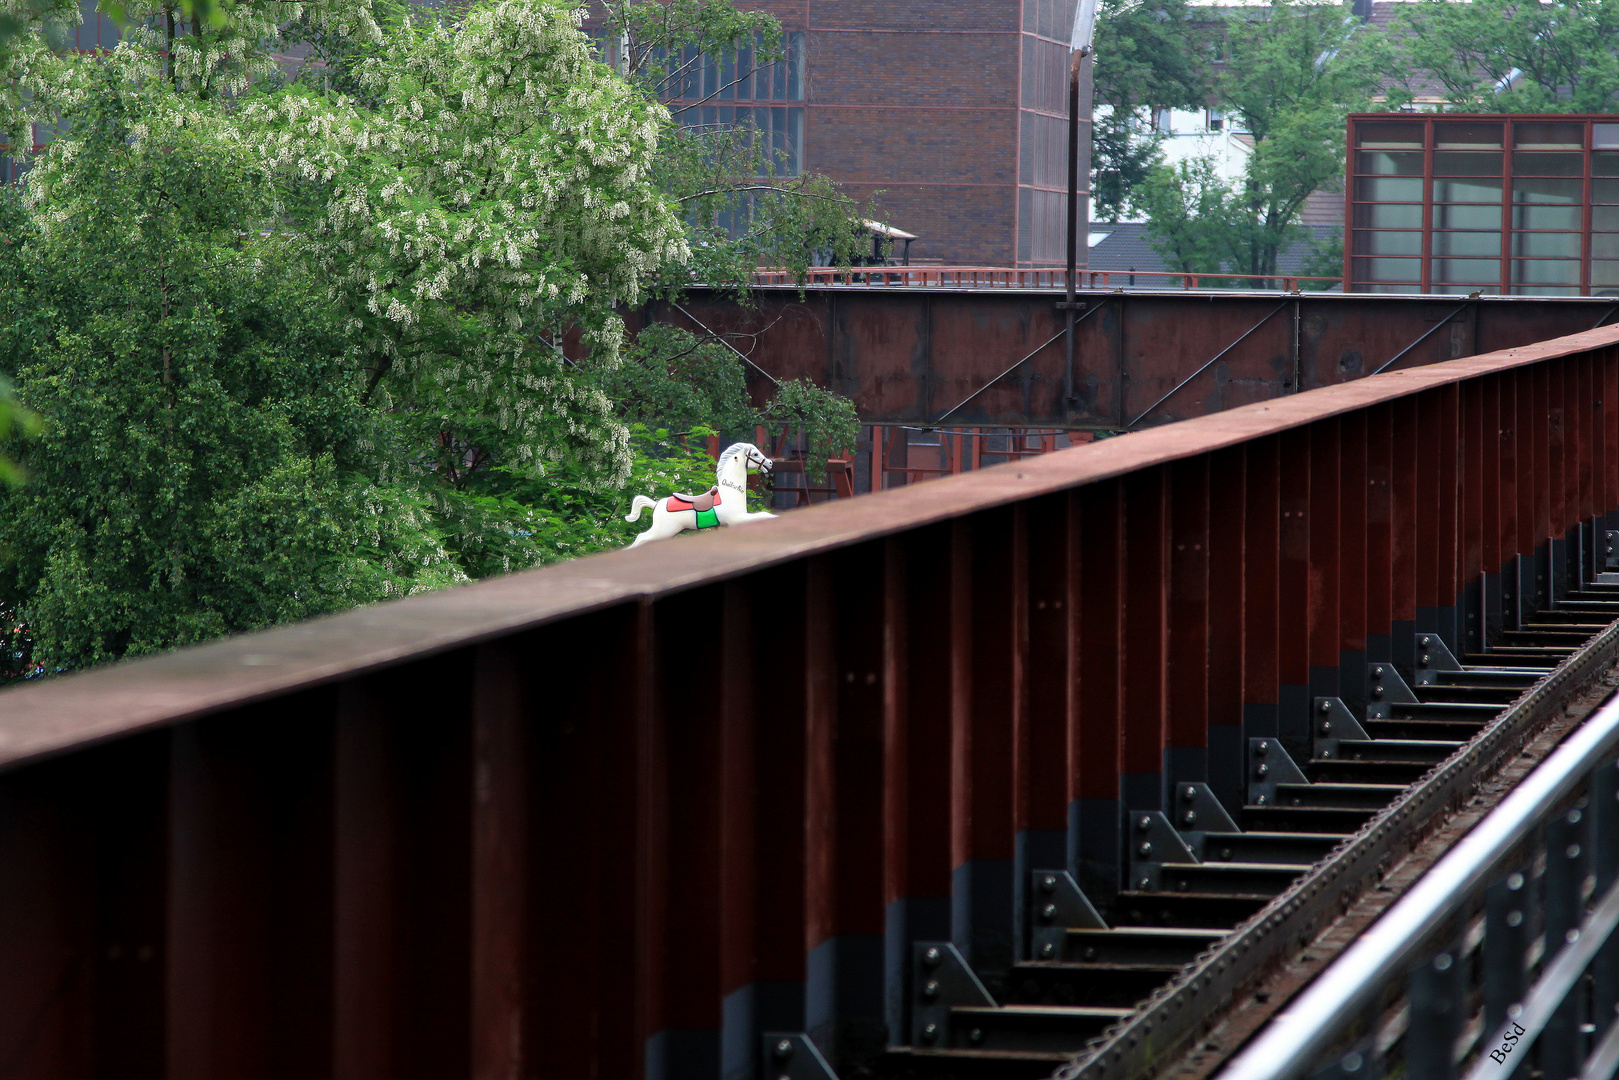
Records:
x=983, y=277
x=1299, y=1038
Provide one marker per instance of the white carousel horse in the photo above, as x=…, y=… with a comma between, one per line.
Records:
x=726, y=503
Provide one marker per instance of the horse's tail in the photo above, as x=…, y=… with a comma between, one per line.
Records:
x=641, y=503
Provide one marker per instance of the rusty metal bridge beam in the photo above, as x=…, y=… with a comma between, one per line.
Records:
x=623, y=816
x=925, y=355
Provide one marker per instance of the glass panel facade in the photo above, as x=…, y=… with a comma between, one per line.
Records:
x=1541, y=163
x=1464, y=163
x=1518, y=204
x=1385, y=216
x=1465, y=135
x=1388, y=269
x=1546, y=271
x=1393, y=243
x=1468, y=243
x=1532, y=135
x=1482, y=271
x=1389, y=163
x=1389, y=189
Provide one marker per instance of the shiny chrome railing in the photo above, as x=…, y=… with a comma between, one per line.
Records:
x=1500, y=962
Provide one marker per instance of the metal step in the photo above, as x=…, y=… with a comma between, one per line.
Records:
x=1306, y=818
x=1413, y=728
x=1356, y=796
x=1445, y=710
x=1058, y=982
x=1230, y=879
x=1397, y=750
x=1140, y=944
x=1028, y=1027
x=1397, y=773
x=963, y=1064
x=1134, y=908
x=1467, y=694
x=1268, y=847
x=1487, y=674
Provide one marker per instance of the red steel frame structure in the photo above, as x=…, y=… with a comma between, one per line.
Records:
x=617, y=817
x=1509, y=203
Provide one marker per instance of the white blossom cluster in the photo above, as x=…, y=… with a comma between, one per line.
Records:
x=498, y=190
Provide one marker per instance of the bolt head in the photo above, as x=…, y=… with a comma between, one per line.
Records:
x=1048, y=912
x=1326, y=706
x=1047, y=951
x=1144, y=824
x=1190, y=794
x=1377, y=691
x=784, y=1049
x=1144, y=850
x=1261, y=801
x=1326, y=753
x=1423, y=641
x=976, y=1035
x=1048, y=884
x=930, y=1032
x=1264, y=771
x=1422, y=661
x=1189, y=818
x=1144, y=884
x=1378, y=671
x=1262, y=749
x=930, y=989
x=932, y=957
x=1326, y=726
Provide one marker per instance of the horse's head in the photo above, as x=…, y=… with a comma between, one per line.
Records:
x=753, y=458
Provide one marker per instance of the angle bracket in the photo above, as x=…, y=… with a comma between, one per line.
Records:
x=1153, y=842
x=1385, y=688
x=1334, y=723
x=940, y=979
x=1268, y=766
x=1059, y=905
x=1433, y=656
x=793, y=1056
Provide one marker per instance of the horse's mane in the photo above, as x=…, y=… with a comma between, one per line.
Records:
x=730, y=452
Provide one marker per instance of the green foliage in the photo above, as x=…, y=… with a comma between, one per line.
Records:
x=827, y=421
x=1148, y=56
x=1195, y=217
x=675, y=380
x=1294, y=70
x=203, y=465
x=679, y=381
x=1561, y=52
x=296, y=347
x=742, y=207
x=15, y=422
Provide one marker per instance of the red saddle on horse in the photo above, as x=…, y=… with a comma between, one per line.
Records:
x=700, y=503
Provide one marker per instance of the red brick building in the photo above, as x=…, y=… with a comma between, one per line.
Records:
x=954, y=111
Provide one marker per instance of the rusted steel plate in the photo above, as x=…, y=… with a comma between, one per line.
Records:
x=47, y=718
x=907, y=356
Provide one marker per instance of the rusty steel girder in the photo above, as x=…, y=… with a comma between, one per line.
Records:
x=925, y=356
x=625, y=816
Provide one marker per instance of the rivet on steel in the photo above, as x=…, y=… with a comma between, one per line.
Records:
x=931, y=958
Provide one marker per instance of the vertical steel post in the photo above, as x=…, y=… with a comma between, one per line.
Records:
x=916, y=760
x=1076, y=58
x=1436, y=1001
x=1096, y=740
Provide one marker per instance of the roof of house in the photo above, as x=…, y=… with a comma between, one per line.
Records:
x=1123, y=246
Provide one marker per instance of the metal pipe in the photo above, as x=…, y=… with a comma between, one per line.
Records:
x=1301, y=1033
x=1073, y=225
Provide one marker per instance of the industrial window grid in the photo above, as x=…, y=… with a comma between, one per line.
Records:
x=729, y=92
x=1515, y=204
